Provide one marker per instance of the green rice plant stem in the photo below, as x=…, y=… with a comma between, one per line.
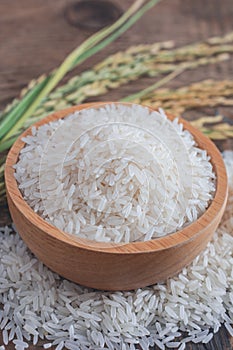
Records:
x=85, y=50
x=11, y=118
x=129, y=22
x=137, y=96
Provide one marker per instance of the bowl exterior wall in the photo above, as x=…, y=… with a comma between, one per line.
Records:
x=108, y=271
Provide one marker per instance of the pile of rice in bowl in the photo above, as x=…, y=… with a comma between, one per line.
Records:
x=115, y=173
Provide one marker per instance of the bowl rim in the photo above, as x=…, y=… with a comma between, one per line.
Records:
x=169, y=241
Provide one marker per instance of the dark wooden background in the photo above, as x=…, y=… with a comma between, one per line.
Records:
x=36, y=35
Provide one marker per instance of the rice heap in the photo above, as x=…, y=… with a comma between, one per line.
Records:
x=41, y=307
x=115, y=174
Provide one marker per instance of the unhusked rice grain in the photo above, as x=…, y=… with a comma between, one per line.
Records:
x=64, y=314
x=116, y=173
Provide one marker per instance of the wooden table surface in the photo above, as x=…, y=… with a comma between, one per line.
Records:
x=35, y=36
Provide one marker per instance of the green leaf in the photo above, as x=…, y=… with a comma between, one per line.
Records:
x=11, y=118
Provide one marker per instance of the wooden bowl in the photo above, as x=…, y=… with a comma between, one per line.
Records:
x=110, y=266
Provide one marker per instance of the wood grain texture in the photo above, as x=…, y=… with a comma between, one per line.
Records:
x=36, y=36
x=110, y=266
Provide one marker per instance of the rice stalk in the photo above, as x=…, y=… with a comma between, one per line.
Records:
x=214, y=127
x=57, y=100
x=123, y=67
x=137, y=96
x=206, y=93
x=127, y=66
x=13, y=120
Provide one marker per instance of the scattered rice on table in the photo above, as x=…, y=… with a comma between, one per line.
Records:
x=38, y=304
